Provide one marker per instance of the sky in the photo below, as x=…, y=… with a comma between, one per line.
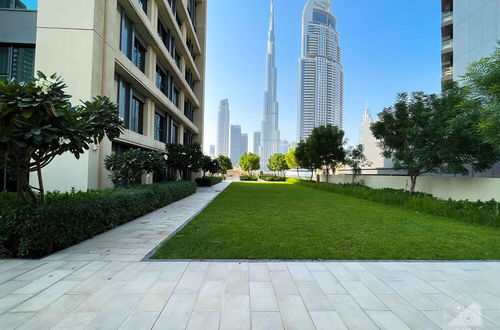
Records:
x=388, y=46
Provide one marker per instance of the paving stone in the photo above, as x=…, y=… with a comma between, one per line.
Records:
x=294, y=313
x=236, y=312
x=350, y=313
x=313, y=297
x=266, y=321
x=326, y=320
x=283, y=283
x=363, y=296
x=204, y=321
x=258, y=272
x=140, y=320
x=262, y=298
x=176, y=313
x=387, y=320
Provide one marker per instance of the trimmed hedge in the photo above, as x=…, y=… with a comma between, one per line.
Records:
x=69, y=218
x=483, y=213
x=273, y=178
x=208, y=181
x=248, y=178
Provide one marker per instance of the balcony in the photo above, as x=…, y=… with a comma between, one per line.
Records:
x=447, y=46
x=447, y=18
x=447, y=73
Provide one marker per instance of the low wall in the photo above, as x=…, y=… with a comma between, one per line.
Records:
x=455, y=188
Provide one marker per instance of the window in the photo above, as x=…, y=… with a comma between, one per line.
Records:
x=144, y=5
x=130, y=107
x=188, y=110
x=17, y=62
x=159, y=127
x=190, y=47
x=188, y=137
x=323, y=18
x=191, y=7
x=177, y=58
x=15, y=4
x=162, y=81
x=176, y=97
x=190, y=79
x=175, y=133
x=139, y=55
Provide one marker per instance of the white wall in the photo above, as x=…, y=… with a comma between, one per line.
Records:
x=455, y=188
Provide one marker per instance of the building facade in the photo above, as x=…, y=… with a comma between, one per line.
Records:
x=146, y=55
x=244, y=144
x=235, y=145
x=321, y=76
x=256, y=143
x=17, y=53
x=371, y=148
x=212, y=151
x=223, y=116
x=270, y=134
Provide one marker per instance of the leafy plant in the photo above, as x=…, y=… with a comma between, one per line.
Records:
x=224, y=164
x=356, y=160
x=209, y=165
x=208, y=181
x=248, y=178
x=249, y=162
x=184, y=158
x=291, y=161
x=38, y=123
x=277, y=163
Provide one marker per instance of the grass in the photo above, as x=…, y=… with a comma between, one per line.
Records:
x=286, y=221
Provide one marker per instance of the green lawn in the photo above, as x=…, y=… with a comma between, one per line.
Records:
x=286, y=221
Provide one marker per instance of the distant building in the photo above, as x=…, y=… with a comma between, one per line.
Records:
x=256, y=143
x=284, y=146
x=223, y=129
x=470, y=30
x=235, y=145
x=212, y=151
x=372, y=150
x=321, y=75
x=244, y=144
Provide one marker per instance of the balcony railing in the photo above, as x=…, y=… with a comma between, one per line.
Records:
x=448, y=72
x=447, y=45
x=447, y=17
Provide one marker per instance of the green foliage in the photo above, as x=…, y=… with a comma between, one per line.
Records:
x=38, y=123
x=272, y=178
x=208, y=181
x=69, y=218
x=224, y=164
x=248, y=178
x=291, y=159
x=356, y=160
x=209, y=165
x=184, y=157
x=128, y=168
x=306, y=158
x=433, y=134
x=249, y=162
x=277, y=163
x=484, y=213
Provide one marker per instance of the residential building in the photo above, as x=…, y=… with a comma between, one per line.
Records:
x=321, y=76
x=223, y=128
x=235, y=148
x=470, y=30
x=270, y=134
x=17, y=53
x=147, y=55
x=256, y=143
x=212, y=151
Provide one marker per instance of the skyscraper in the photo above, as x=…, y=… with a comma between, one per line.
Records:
x=321, y=77
x=223, y=129
x=212, y=151
x=236, y=140
x=244, y=144
x=270, y=138
x=256, y=143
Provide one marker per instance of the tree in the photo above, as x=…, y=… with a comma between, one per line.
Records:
x=127, y=168
x=356, y=160
x=291, y=161
x=182, y=158
x=305, y=158
x=249, y=162
x=326, y=144
x=224, y=164
x=433, y=134
x=209, y=165
x=277, y=163
x=38, y=123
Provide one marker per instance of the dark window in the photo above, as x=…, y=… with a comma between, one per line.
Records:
x=127, y=35
x=323, y=18
x=139, y=55
x=165, y=35
x=190, y=79
x=189, y=110
x=188, y=137
x=124, y=102
x=136, y=115
x=130, y=107
x=162, y=81
x=190, y=46
x=175, y=133
x=17, y=4
x=144, y=5
x=191, y=7
x=177, y=58
x=17, y=62
x=176, y=97
x=159, y=127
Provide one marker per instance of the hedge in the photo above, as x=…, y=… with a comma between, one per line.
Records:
x=248, y=178
x=70, y=218
x=208, y=181
x=267, y=177
x=483, y=213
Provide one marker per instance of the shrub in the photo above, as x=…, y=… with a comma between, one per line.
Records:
x=267, y=177
x=484, y=213
x=69, y=218
x=248, y=178
x=208, y=181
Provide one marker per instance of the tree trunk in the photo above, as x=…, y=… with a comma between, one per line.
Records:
x=413, y=179
x=40, y=184
x=298, y=173
x=353, y=179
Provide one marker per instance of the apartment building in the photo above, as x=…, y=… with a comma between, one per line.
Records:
x=146, y=55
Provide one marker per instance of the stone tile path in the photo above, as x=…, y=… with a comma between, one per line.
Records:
x=102, y=284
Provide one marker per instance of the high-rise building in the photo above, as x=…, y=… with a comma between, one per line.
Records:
x=223, y=128
x=235, y=145
x=321, y=76
x=371, y=148
x=147, y=55
x=470, y=30
x=256, y=143
x=270, y=134
x=212, y=151
x=244, y=144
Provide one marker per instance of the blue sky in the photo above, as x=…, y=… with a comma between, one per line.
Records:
x=388, y=46
x=31, y=4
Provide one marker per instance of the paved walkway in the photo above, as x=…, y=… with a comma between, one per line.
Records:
x=102, y=284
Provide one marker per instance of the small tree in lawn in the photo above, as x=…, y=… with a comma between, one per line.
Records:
x=356, y=159
x=249, y=162
x=277, y=163
x=38, y=123
x=127, y=168
x=291, y=161
x=306, y=158
x=224, y=164
x=327, y=144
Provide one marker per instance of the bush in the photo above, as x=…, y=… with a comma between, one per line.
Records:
x=248, y=178
x=208, y=181
x=267, y=177
x=484, y=213
x=69, y=218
